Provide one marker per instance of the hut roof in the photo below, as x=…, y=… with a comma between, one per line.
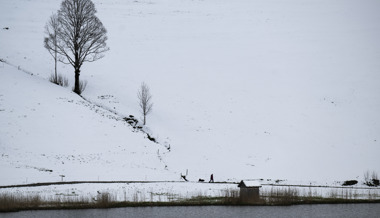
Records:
x=249, y=184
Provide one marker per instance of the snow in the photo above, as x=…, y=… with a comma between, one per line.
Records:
x=134, y=192
x=89, y=144
x=241, y=89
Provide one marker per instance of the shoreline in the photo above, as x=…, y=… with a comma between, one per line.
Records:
x=115, y=194
x=194, y=182
x=111, y=205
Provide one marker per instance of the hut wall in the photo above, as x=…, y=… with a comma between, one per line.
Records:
x=249, y=195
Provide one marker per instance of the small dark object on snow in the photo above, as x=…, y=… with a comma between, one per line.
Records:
x=373, y=182
x=350, y=182
x=211, y=178
x=6, y=28
x=149, y=137
x=184, y=177
x=376, y=182
x=201, y=180
x=130, y=119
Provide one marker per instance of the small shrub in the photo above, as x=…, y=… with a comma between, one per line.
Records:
x=53, y=79
x=376, y=182
x=375, y=179
x=371, y=180
x=59, y=80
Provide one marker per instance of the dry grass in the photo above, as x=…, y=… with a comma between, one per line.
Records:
x=272, y=196
x=59, y=80
x=105, y=199
x=280, y=196
x=13, y=202
x=231, y=196
x=16, y=202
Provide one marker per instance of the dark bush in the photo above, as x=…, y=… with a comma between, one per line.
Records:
x=371, y=179
x=131, y=119
x=376, y=182
x=373, y=182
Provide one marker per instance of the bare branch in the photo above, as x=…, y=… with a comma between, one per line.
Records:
x=50, y=42
x=80, y=36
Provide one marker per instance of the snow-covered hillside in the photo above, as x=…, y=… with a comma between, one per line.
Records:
x=241, y=89
x=47, y=131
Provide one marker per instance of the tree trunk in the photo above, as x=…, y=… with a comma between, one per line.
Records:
x=144, y=119
x=55, y=65
x=55, y=57
x=76, y=86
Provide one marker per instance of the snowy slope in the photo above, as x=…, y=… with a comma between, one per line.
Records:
x=47, y=131
x=241, y=89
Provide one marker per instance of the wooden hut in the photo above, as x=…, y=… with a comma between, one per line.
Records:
x=249, y=191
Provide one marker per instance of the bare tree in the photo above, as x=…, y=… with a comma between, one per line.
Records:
x=50, y=42
x=81, y=35
x=145, y=100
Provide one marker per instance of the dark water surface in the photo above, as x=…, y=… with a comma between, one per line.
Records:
x=326, y=210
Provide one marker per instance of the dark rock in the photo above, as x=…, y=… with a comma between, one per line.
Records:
x=350, y=182
x=151, y=138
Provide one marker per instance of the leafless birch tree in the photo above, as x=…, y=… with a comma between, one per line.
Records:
x=50, y=42
x=145, y=100
x=81, y=36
